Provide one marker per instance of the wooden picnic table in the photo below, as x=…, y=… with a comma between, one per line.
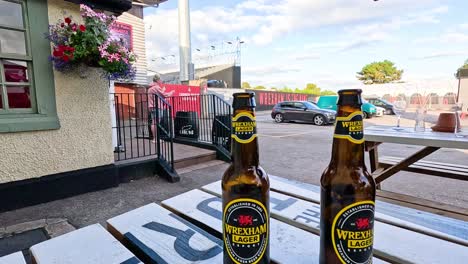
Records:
x=385, y=167
x=187, y=228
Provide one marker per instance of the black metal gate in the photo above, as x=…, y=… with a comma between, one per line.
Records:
x=203, y=120
x=146, y=127
x=143, y=130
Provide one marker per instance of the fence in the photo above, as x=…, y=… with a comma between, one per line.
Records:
x=202, y=119
x=141, y=133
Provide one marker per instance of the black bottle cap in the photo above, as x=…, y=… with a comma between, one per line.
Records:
x=242, y=100
x=350, y=97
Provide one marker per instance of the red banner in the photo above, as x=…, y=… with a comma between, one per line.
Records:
x=267, y=99
x=182, y=97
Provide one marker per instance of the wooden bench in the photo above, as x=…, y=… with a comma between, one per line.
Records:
x=15, y=258
x=446, y=170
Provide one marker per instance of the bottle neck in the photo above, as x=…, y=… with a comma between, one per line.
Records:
x=244, y=146
x=348, y=142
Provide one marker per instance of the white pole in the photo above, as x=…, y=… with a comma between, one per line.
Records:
x=186, y=67
x=113, y=114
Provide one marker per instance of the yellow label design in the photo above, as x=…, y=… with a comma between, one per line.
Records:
x=353, y=233
x=245, y=230
x=350, y=128
x=244, y=128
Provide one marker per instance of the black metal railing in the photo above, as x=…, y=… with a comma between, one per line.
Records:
x=202, y=119
x=143, y=128
x=162, y=121
x=132, y=127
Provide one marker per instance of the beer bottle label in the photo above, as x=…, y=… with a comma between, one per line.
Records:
x=350, y=128
x=353, y=233
x=244, y=127
x=245, y=230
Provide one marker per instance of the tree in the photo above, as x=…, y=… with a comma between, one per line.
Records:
x=379, y=72
x=260, y=87
x=311, y=88
x=246, y=85
x=327, y=92
x=463, y=67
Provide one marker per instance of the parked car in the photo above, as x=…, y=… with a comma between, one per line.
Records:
x=302, y=111
x=329, y=102
x=216, y=84
x=382, y=103
x=380, y=111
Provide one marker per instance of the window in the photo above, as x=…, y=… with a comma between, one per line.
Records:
x=27, y=94
x=310, y=105
x=299, y=105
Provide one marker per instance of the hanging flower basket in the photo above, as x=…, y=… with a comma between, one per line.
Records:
x=91, y=44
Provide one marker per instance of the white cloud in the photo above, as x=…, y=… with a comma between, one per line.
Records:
x=271, y=69
x=464, y=26
x=440, y=54
x=263, y=21
x=454, y=37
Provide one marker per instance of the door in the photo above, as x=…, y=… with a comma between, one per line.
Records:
x=287, y=110
x=298, y=113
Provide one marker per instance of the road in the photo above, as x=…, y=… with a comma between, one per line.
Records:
x=302, y=152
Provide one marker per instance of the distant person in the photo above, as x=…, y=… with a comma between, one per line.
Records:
x=156, y=88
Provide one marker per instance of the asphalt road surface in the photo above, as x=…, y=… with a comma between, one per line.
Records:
x=302, y=152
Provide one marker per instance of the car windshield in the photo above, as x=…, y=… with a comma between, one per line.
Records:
x=384, y=101
x=310, y=105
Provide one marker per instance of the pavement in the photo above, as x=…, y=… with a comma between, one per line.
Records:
x=291, y=150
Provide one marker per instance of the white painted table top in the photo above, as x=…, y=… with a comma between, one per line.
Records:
x=165, y=238
x=90, y=245
x=391, y=242
x=386, y=134
x=15, y=258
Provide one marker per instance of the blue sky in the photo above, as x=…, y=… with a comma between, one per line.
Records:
x=293, y=42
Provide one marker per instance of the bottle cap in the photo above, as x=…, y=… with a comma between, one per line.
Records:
x=243, y=100
x=350, y=97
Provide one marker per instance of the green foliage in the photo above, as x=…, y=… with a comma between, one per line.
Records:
x=310, y=88
x=379, y=72
x=463, y=67
x=259, y=87
x=246, y=85
x=327, y=92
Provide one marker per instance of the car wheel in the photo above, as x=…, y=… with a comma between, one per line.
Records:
x=365, y=115
x=279, y=118
x=319, y=120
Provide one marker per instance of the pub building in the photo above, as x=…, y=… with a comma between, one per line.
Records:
x=56, y=136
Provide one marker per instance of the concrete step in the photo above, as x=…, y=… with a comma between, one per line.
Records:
x=194, y=160
x=200, y=166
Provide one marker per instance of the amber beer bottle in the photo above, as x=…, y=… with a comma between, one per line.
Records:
x=246, y=191
x=347, y=190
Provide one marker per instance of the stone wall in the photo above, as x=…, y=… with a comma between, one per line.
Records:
x=85, y=137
